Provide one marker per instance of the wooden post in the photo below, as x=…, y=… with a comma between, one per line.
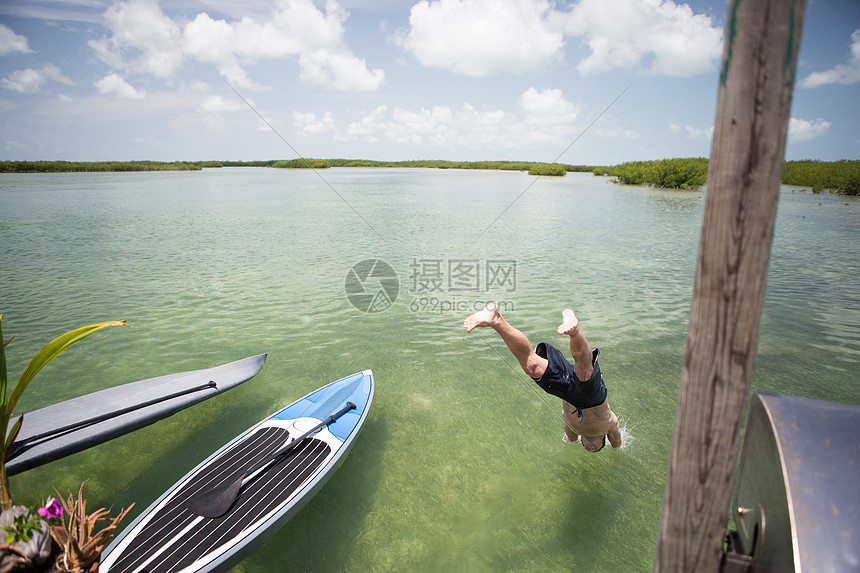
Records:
x=754, y=102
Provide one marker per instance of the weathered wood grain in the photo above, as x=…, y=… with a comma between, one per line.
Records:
x=753, y=108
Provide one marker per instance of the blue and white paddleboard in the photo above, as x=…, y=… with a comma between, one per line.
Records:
x=169, y=537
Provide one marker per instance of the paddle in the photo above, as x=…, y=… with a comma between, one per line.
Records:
x=218, y=500
x=23, y=445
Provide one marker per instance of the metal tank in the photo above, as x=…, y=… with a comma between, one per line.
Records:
x=797, y=499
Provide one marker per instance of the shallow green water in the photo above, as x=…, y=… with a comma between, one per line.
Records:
x=461, y=466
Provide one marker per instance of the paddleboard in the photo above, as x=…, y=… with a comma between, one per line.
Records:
x=169, y=537
x=62, y=429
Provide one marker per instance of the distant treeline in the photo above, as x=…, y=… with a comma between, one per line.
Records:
x=78, y=166
x=670, y=173
x=552, y=169
x=837, y=176
x=842, y=176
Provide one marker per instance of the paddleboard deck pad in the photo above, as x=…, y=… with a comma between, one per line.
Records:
x=62, y=429
x=169, y=537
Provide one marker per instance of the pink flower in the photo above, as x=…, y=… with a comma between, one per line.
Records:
x=53, y=509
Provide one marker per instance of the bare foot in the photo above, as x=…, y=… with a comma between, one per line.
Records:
x=569, y=322
x=482, y=318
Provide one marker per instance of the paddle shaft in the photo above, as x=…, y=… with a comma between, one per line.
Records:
x=349, y=406
x=21, y=446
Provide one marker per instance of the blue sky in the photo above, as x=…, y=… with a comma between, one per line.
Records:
x=94, y=80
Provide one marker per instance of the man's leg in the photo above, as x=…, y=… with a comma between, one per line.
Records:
x=568, y=416
x=516, y=341
x=580, y=349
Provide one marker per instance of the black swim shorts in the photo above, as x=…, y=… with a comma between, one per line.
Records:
x=560, y=379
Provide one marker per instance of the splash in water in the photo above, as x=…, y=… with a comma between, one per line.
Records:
x=627, y=438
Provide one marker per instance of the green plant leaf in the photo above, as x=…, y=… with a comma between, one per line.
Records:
x=13, y=434
x=2, y=371
x=51, y=351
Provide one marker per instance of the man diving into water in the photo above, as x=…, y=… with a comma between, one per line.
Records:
x=585, y=411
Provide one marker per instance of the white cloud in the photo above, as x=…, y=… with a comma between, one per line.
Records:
x=309, y=123
x=369, y=125
x=692, y=132
x=27, y=81
x=145, y=40
x=482, y=37
x=615, y=130
x=11, y=43
x=547, y=107
x=341, y=70
x=199, y=86
x=804, y=130
x=439, y=126
x=12, y=145
x=209, y=40
x=142, y=31
x=215, y=42
x=436, y=126
x=117, y=103
x=624, y=33
x=217, y=103
x=548, y=119
x=847, y=74
x=113, y=84
x=30, y=81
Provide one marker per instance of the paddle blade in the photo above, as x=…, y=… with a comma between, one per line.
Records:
x=215, y=502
